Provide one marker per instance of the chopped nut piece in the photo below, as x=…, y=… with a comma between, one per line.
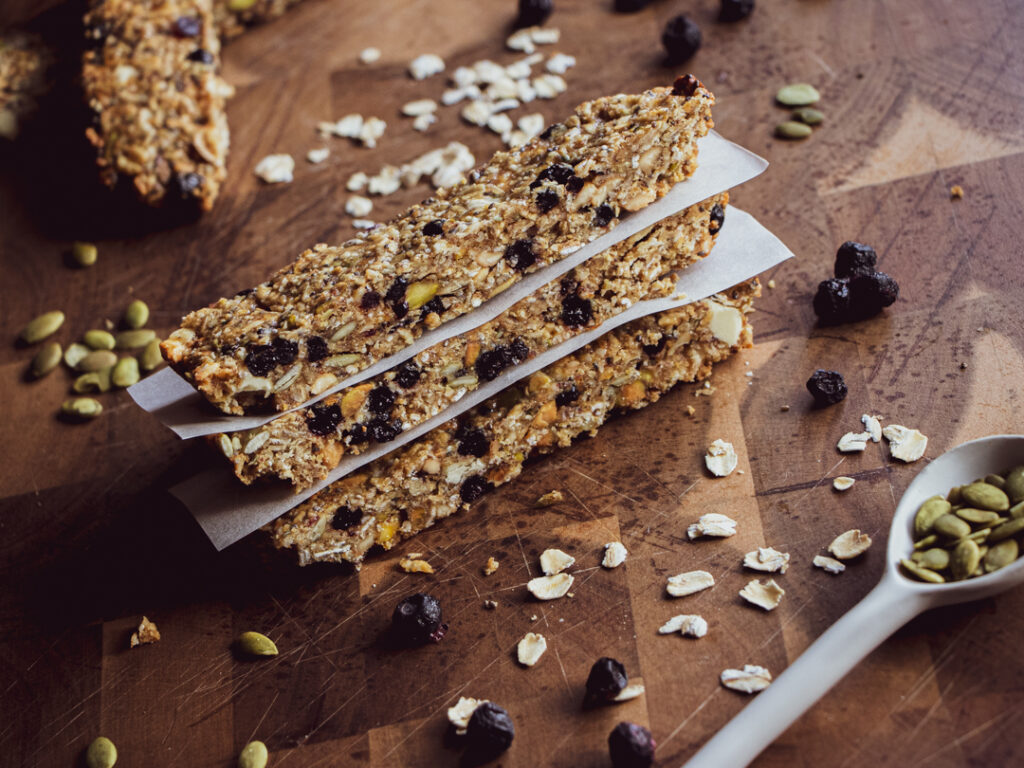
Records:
x=750, y=679
x=554, y=561
x=357, y=182
x=712, y=524
x=853, y=441
x=411, y=564
x=491, y=566
x=828, y=564
x=720, y=459
x=419, y=107
x=689, y=583
x=550, y=587
x=764, y=594
x=490, y=604
x=614, y=554
x=956, y=192
x=560, y=63
x=423, y=122
x=550, y=498
x=690, y=625
x=364, y=223
x=358, y=206
x=425, y=66
x=847, y=546
x=531, y=648
x=843, y=483
x=725, y=324
x=276, y=169
x=872, y=426
x=630, y=692
x=146, y=633
x=905, y=444
x=767, y=559
x=459, y=714
x=690, y=410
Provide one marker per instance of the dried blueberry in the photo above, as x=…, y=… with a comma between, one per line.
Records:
x=574, y=185
x=716, y=219
x=187, y=26
x=434, y=228
x=568, y=395
x=827, y=387
x=568, y=285
x=345, y=517
x=435, y=305
x=417, y=619
x=681, y=38
x=685, y=85
x=631, y=746
x=631, y=6
x=492, y=362
x=546, y=200
x=396, y=296
x=518, y=351
x=316, y=349
x=606, y=680
x=473, y=487
x=735, y=10
x=560, y=173
x=382, y=430
x=408, y=374
x=184, y=184
x=359, y=434
x=490, y=731
x=323, y=419
x=369, y=300
x=261, y=359
x=871, y=293
x=520, y=255
x=576, y=312
x=533, y=13
x=548, y=132
x=201, y=55
x=855, y=259
x=603, y=215
x=652, y=349
x=473, y=442
x=832, y=301
x=381, y=400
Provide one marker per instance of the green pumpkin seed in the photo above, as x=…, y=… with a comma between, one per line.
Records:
x=995, y=480
x=240, y=5
x=136, y=314
x=97, y=360
x=84, y=254
x=926, y=542
x=934, y=559
x=81, y=408
x=151, y=357
x=74, y=353
x=797, y=95
x=980, y=535
x=1000, y=555
x=1017, y=510
x=87, y=382
x=928, y=513
x=951, y=527
x=42, y=326
x=953, y=497
x=964, y=559
x=1014, y=485
x=101, y=753
x=46, y=359
x=97, y=339
x=978, y=516
x=255, y=644
x=134, y=339
x=1006, y=530
x=253, y=756
x=921, y=573
x=808, y=115
x=985, y=496
x=792, y=130
x=126, y=372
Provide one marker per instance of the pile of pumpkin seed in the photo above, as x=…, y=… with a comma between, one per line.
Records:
x=974, y=530
x=800, y=97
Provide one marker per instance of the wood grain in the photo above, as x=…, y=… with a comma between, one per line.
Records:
x=919, y=95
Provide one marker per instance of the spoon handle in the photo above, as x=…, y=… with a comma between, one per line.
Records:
x=863, y=628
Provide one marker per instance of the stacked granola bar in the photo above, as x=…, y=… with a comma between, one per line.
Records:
x=24, y=61
x=233, y=17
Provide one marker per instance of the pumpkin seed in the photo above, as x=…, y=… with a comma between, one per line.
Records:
x=924, y=574
x=81, y=408
x=980, y=535
x=419, y=293
x=46, y=359
x=91, y=382
x=101, y=753
x=1000, y=555
x=808, y=115
x=951, y=527
x=84, y=254
x=254, y=755
x=928, y=513
x=792, y=130
x=151, y=356
x=1006, y=530
x=985, y=496
x=97, y=360
x=134, y=339
x=926, y=542
x=41, y=327
x=965, y=559
x=995, y=480
x=240, y=5
x=797, y=95
x=1017, y=510
x=934, y=559
x=978, y=516
x=953, y=497
x=74, y=353
x=136, y=314
x=1014, y=485
x=126, y=372
x=255, y=644
x=98, y=339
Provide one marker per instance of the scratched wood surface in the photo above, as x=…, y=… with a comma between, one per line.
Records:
x=919, y=95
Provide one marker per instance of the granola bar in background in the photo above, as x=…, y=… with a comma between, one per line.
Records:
x=233, y=17
x=24, y=63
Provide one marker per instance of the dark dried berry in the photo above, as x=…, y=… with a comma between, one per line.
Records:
x=652, y=349
x=473, y=442
x=832, y=301
x=631, y=6
x=735, y=10
x=187, y=26
x=381, y=400
x=434, y=228
x=316, y=349
x=560, y=173
x=369, y=300
x=681, y=38
x=492, y=362
x=417, y=619
x=382, y=430
x=606, y=680
x=396, y=296
x=568, y=395
x=546, y=200
x=574, y=185
x=490, y=731
x=548, y=132
x=603, y=215
x=871, y=293
x=716, y=219
x=520, y=255
x=855, y=259
x=323, y=419
x=631, y=746
x=474, y=487
x=201, y=55
x=345, y=517
x=518, y=351
x=827, y=387
x=435, y=305
x=576, y=312
x=359, y=434
x=261, y=359
x=533, y=13
x=568, y=285
x=408, y=374
x=184, y=184
x=685, y=85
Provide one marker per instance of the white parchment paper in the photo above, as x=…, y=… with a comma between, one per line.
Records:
x=722, y=165
x=227, y=510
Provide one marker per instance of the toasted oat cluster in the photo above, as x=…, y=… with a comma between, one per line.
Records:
x=232, y=17
x=338, y=309
x=150, y=77
x=429, y=479
x=303, y=446
x=24, y=62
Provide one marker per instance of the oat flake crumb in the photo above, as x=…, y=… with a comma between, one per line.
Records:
x=425, y=66
x=318, y=155
x=956, y=192
x=358, y=206
x=550, y=498
x=614, y=554
x=750, y=679
x=689, y=583
x=828, y=564
x=554, y=561
x=550, y=587
x=721, y=458
x=849, y=545
x=459, y=714
x=873, y=426
x=630, y=692
x=491, y=566
x=853, y=442
x=146, y=633
x=843, y=483
x=689, y=625
x=905, y=444
x=712, y=524
x=413, y=563
x=765, y=594
x=369, y=55
x=363, y=223
x=767, y=559
x=276, y=169
x=531, y=648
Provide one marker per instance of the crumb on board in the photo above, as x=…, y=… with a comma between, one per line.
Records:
x=491, y=566
x=956, y=192
x=146, y=633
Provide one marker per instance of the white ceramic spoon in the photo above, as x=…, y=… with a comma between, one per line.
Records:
x=895, y=601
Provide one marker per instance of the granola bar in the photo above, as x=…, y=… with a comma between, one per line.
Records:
x=150, y=75
x=24, y=62
x=429, y=479
x=233, y=17
x=303, y=446
x=338, y=309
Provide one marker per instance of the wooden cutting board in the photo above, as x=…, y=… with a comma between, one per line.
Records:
x=918, y=96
